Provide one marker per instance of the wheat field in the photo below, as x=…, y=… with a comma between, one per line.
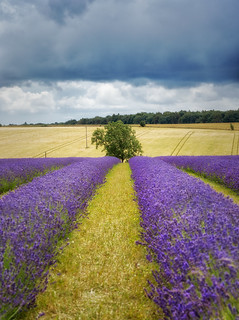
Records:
x=75, y=141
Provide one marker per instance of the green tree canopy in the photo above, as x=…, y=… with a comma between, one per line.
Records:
x=118, y=140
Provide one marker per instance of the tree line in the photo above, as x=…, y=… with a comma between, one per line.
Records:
x=168, y=117
x=212, y=116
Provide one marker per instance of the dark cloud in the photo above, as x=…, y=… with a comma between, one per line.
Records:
x=60, y=10
x=176, y=42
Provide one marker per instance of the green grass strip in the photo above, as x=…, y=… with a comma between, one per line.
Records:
x=102, y=273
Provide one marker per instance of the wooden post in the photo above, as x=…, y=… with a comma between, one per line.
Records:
x=86, y=137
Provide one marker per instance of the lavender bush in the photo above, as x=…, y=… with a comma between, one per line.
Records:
x=33, y=219
x=223, y=169
x=14, y=172
x=192, y=233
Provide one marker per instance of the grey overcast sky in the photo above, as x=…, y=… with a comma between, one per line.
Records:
x=68, y=59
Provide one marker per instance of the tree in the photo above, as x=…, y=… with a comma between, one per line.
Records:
x=118, y=140
x=71, y=122
x=142, y=123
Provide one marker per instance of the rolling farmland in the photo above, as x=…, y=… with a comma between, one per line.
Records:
x=21, y=142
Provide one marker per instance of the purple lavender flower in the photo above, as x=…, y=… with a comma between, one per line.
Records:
x=33, y=219
x=191, y=232
x=223, y=169
x=14, y=172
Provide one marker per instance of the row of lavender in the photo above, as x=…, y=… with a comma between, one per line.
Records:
x=223, y=169
x=192, y=233
x=14, y=172
x=33, y=219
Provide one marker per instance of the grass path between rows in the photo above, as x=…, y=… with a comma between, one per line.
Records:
x=102, y=273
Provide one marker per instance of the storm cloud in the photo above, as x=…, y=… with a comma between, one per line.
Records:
x=175, y=44
x=189, y=41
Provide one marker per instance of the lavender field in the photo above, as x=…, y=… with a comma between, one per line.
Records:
x=222, y=169
x=14, y=172
x=33, y=219
x=191, y=233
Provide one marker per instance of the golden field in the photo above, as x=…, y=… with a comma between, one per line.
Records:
x=157, y=140
x=214, y=126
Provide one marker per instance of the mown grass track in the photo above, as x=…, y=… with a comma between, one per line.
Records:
x=235, y=144
x=102, y=273
x=47, y=152
x=181, y=143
